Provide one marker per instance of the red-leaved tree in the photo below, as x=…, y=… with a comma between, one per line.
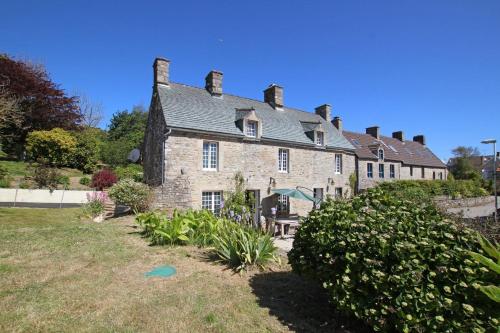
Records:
x=43, y=104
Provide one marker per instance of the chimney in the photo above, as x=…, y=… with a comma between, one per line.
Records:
x=213, y=83
x=161, y=71
x=399, y=135
x=420, y=139
x=374, y=131
x=274, y=96
x=337, y=122
x=324, y=111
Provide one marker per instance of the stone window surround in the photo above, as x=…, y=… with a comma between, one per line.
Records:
x=319, y=138
x=283, y=164
x=381, y=171
x=209, y=156
x=369, y=170
x=380, y=154
x=251, y=128
x=338, y=164
x=213, y=199
x=392, y=171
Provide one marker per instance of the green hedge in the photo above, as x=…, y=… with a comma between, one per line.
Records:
x=426, y=189
x=398, y=265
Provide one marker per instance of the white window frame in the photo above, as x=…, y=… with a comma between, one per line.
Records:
x=381, y=154
x=211, y=200
x=210, y=156
x=320, y=138
x=392, y=171
x=369, y=173
x=283, y=204
x=381, y=171
x=338, y=164
x=251, y=129
x=283, y=160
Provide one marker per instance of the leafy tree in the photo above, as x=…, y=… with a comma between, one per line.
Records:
x=465, y=152
x=44, y=105
x=88, y=149
x=461, y=167
x=57, y=146
x=10, y=114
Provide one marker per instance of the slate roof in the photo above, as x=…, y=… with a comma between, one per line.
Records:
x=192, y=108
x=408, y=152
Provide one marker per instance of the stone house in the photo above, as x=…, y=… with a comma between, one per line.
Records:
x=380, y=158
x=197, y=139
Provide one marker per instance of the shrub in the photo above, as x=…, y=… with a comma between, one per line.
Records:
x=131, y=171
x=235, y=244
x=115, y=153
x=46, y=176
x=398, y=265
x=88, y=149
x=3, y=172
x=4, y=182
x=56, y=146
x=130, y=193
x=95, y=204
x=63, y=180
x=103, y=179
x=84, y=181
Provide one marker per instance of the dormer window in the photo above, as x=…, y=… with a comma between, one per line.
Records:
x=251, y=129
x=320, y=138
x=381, y=154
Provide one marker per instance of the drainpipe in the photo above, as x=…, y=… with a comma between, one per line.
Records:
x=165, y=137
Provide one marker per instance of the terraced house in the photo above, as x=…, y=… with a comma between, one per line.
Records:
x=197, y=139
x=380, y=158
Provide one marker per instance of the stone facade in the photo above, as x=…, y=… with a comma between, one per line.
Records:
x=185, y=179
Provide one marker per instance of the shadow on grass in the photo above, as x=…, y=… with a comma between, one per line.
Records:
x=300, y=304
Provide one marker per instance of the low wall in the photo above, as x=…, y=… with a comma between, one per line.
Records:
x=445, y=202
x=25, y=197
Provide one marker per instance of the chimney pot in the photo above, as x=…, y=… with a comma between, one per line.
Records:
x=399, y=135
x=161, y=68
x=274, y=96
x=373, y=131
x=337, y=122
x=324, y=111
x=420, y=139
x=213, y=83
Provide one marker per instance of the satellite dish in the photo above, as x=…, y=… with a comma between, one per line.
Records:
x=134, y=155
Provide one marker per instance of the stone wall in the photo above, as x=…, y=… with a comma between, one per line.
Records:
x=417, y=173
x=445, y=202
x=185, y=179
x=153, y=144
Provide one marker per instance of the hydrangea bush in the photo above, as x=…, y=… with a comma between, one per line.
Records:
x=398, y=265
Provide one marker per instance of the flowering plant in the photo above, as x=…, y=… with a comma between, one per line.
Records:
x=95, y=204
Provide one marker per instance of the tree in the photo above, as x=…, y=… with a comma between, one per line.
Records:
x=89, y=143
x=44, y=105
x=10, y=114
x=461, y=166
x=92, y=112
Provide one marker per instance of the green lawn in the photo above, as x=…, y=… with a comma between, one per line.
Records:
x=19, y=168
x=58, y=273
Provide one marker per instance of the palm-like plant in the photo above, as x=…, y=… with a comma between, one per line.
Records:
x=492, y=262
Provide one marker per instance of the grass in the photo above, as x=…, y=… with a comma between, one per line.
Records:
x=19, y=168
x=58, y=273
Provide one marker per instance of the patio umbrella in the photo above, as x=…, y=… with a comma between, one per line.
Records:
x=296, y=194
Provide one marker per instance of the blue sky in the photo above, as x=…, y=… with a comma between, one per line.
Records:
x=430, y=67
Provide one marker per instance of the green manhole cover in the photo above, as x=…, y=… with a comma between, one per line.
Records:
x=161, y=271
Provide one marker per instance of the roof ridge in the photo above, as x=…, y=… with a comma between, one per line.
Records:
x=248, y=98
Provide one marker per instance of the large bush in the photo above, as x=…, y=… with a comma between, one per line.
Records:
x=130, y=193
x=103, y=179
x=397, y=264
x=131, y=171
x=56, y=146
x=88, y=150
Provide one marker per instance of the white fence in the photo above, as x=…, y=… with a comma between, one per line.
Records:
x=12, y=197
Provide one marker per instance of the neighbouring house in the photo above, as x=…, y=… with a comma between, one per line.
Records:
x=381, y=158
x=197, y=139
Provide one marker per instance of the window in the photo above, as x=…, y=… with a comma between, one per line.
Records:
x=441, y=175
x=392, y=171
x=251, y=129
x=283, y=160
x=320, y=138
x=211, y=201
x=411, y=171
x=381, y=154
x=283, y=204
x=318, y=193
x=210, y=156
x=369, y=170
x=338, y=163
x=433, y=174
x=338, y=192
x=423, y=172
x=381, y=173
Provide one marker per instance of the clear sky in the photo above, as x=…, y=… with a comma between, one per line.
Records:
x=425, y=67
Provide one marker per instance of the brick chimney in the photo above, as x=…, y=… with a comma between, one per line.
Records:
x=399, y=135
x=420, y=139
x=161, y=71
x=324, y=111
x=373, y=131
x=337, y=122
x=213, y=83
x=274, y=96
